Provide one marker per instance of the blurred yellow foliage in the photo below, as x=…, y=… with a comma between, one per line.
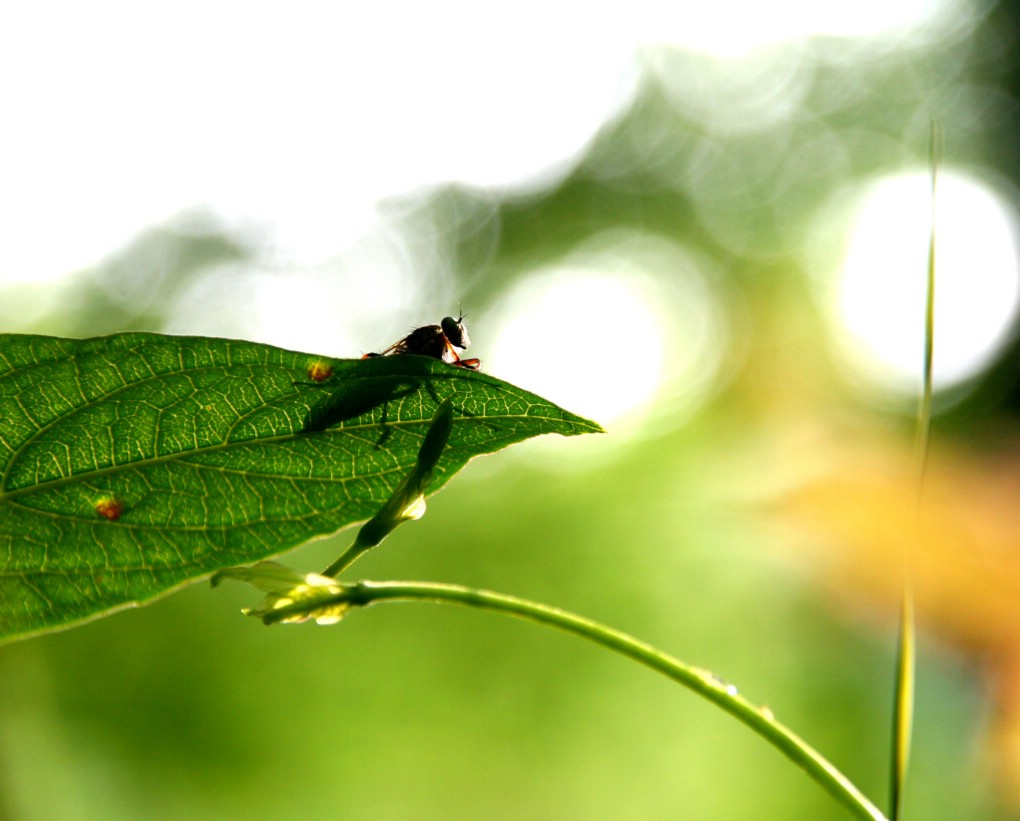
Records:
x=963, y=550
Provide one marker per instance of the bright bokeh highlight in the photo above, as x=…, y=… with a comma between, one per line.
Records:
x=297, y=125
x=590, y=341
x=879, y=293
x=623, y=324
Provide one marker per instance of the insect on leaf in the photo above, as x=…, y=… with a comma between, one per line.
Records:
x=134, y=463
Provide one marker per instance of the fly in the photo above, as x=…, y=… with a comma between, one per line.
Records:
x=438, y=341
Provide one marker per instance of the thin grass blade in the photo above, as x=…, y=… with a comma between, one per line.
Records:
x=903, y=713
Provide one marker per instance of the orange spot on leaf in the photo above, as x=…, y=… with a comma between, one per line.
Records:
x=320, y=371
x=110, y=508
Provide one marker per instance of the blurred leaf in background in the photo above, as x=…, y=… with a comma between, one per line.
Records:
x=664, y=219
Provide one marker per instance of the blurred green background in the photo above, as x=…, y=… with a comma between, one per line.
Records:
x=662, y=218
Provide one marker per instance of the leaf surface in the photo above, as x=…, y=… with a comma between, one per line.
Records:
x=133, y=463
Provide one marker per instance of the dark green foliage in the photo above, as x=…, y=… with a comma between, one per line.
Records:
x=136, y=462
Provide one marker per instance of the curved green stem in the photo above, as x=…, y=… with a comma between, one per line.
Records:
x=700, y=681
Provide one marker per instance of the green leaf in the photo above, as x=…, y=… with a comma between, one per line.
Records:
x=312, y=595
x=134, y=463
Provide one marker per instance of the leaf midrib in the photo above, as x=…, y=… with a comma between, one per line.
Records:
x=141, y=464
x=6, y=495
x=88, y=404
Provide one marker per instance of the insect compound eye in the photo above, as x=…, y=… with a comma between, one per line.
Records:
x=455, y=331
